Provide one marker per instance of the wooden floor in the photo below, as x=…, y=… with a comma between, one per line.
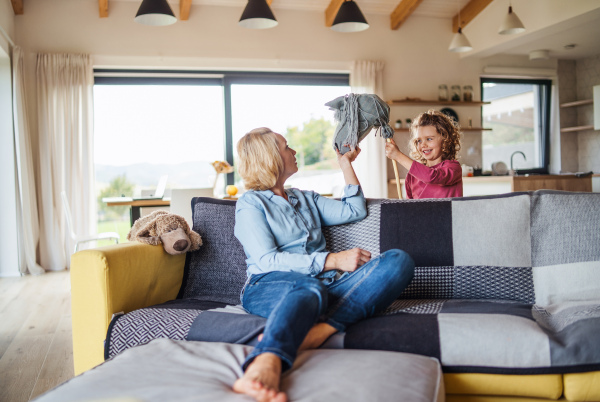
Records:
x=36, y=349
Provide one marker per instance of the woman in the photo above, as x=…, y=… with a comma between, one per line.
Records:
x=306, y=293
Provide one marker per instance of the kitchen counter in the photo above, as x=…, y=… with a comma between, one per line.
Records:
x=488, y=185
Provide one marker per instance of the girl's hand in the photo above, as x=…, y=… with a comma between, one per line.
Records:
x=348, y=260
x=349, y=156
x=391, y=149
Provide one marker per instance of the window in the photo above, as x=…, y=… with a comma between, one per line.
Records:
x=151, y=123
x=297, y=112
x=519, y=116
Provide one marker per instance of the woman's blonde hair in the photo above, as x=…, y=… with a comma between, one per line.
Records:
x=260, y=163
x=445, y=126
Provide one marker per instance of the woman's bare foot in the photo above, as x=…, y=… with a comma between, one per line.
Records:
x=317, y=335
x=261, y=379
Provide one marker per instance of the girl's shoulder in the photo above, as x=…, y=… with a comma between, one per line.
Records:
x=449, y=163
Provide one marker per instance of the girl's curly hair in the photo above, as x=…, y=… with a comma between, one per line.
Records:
x=445, y=126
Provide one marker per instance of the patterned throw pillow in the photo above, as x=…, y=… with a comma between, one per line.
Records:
x=217, y=271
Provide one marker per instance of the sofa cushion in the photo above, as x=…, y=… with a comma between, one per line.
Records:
x=582, y=386
x=565, y=233
x=467, y=336
x=168, y=370
x=533, y=386
x=171, y=320
x=217, y=271
x=482, y=247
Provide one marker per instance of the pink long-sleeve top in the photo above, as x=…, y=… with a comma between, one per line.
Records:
x=443, y=180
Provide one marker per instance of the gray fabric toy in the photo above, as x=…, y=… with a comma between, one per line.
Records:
x=356, y=115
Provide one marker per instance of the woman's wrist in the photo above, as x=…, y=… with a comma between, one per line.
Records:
x=330, y=262
x=345, y=163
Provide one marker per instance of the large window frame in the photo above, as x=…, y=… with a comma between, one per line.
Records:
x=226, y=79
x=542, y=119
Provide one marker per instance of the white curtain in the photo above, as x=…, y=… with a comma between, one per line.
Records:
x=65, y=117
x=371, y=166
x=555, y=145
x=27, y=215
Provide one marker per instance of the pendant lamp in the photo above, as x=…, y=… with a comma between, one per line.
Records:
x=460, y=43
x=155, y=12
x=257, y=15
x=511, y=24
x=349, y=18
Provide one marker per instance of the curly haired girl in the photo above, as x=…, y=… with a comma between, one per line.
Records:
x=434, y=145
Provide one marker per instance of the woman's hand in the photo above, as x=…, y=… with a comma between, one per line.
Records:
x=345, y=162
x=348, y=260
x=391, y=149
x=349, y=156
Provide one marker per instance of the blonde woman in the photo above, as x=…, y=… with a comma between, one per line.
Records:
x=306, y=293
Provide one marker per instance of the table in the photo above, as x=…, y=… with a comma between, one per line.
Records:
x=136, y=204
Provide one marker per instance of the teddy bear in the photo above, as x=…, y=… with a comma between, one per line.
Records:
x=169, y=229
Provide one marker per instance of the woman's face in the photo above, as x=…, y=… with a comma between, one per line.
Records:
x=288, y=155
x=429, y=144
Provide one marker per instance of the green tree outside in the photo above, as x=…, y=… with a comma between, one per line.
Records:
x=313, y=143
x=118, y=187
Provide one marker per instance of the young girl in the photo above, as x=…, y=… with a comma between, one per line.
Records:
x=434, y=143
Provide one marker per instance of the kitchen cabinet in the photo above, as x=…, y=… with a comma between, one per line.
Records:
x=563, y=182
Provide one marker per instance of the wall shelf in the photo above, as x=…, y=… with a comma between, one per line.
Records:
x=577, y=128
x=577, y=103
x=407, y=102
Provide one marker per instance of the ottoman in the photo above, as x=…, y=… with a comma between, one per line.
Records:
x=166, y=369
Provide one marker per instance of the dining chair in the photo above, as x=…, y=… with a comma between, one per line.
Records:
x=82, y=239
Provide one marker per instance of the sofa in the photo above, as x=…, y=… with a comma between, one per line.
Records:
x=506, y=293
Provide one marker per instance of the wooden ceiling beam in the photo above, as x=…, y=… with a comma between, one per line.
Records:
x=184, y=9
x=17, y=6
x=403, y=10
x=103, y=8
x=468, y=13
x=331, y=11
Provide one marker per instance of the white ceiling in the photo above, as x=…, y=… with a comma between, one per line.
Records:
x=583, y=31
x=428, y=8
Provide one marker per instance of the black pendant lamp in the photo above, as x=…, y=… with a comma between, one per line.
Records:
x=349, y=18
x=258, y=15
x=155, y=12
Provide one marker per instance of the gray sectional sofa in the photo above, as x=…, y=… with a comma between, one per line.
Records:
x=506, y=293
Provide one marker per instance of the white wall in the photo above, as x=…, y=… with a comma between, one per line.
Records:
x=7, y=23
x=9, y=260
x=416, y=55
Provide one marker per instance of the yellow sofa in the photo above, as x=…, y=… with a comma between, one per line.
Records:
x=129, y=276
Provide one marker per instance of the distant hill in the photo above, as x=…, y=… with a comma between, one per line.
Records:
x=188, y=174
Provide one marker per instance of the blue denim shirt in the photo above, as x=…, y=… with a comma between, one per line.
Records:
x=280, y=235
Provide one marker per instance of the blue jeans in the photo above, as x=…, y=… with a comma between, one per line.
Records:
x=293, y=303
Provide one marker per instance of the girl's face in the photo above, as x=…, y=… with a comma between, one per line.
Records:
x=429, y=144
x=288, y=155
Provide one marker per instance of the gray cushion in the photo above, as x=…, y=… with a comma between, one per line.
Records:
x=168, y=370
x=217, y=271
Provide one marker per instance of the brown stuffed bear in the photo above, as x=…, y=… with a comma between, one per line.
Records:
x=169, y=229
